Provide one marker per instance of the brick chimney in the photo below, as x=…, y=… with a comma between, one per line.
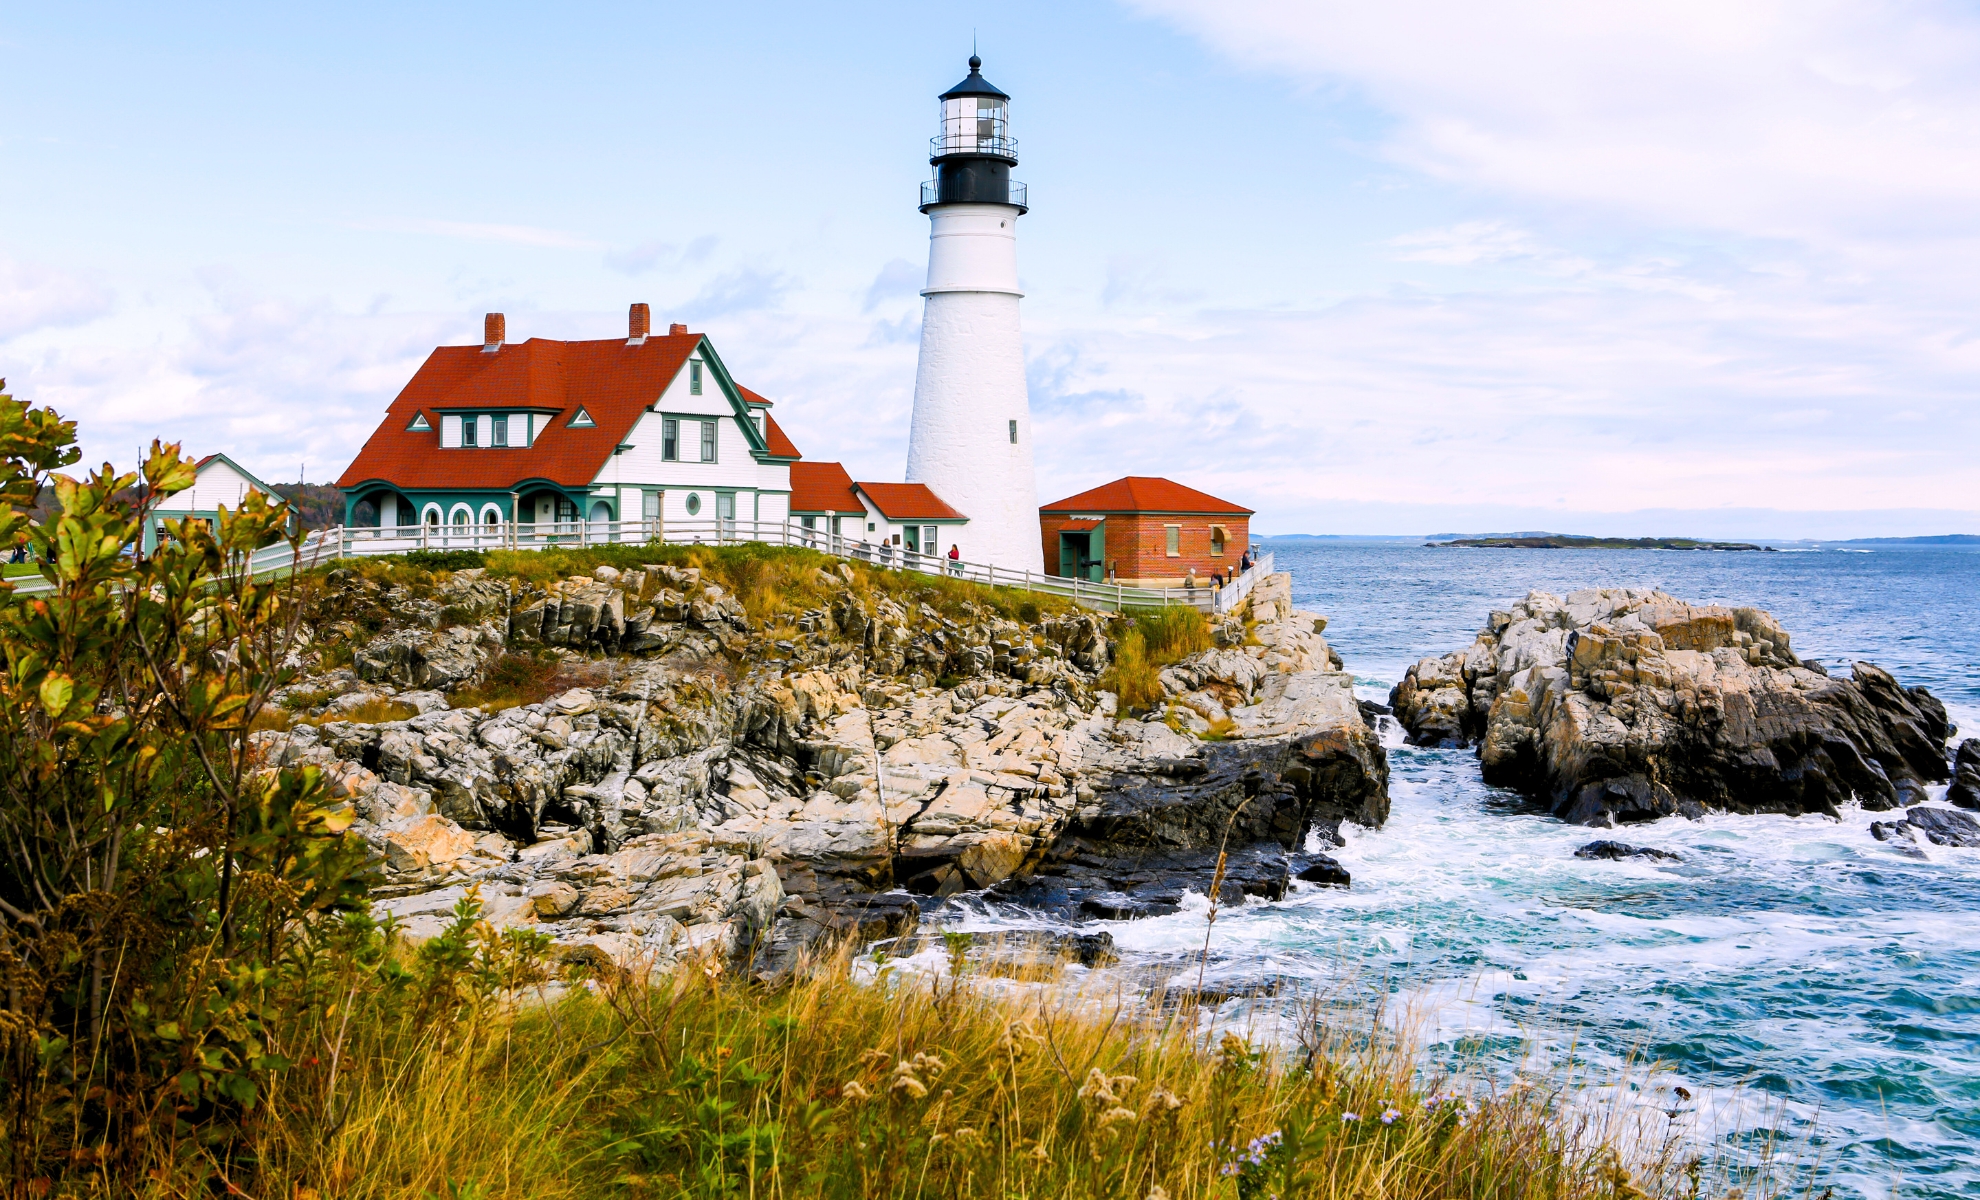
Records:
x=638, y=323
x=494, y=330
x=676, y=330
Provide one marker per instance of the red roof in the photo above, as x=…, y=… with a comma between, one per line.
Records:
x=821, y=487
x=613, y=381
x=1146, y=493
x=773, y=435
x=908, y=502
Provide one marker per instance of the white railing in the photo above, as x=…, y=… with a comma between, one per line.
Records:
x=1233, y=593
x=327, y=545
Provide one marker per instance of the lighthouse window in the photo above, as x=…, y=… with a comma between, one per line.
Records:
x=1013, y=433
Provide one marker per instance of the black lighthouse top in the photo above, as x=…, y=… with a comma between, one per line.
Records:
x=974, y=153
x=976, y=84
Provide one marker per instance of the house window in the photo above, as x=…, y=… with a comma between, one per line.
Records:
x=931, y=542
x=1217, y=536
x=694, y=379
x=1013, y=433
x=708, y=441
x=693, y=503
x=582, y=420
x=649, y=506
x=419, y=424
x=670, y=439
x=469, y=427
x=809, y=523
x=500, y=434
x=1175, y=540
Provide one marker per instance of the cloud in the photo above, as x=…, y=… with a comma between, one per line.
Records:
x=668, y=256
x=519, y=235
x=739, y=291
x=34, y=297
x=898, y=278
x=1766, y=119
x=1134, y=279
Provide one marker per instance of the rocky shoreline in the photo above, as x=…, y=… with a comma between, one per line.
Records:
x=719, y=787
x=1619, y=705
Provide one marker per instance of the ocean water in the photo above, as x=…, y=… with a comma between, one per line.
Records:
x=1798, y=978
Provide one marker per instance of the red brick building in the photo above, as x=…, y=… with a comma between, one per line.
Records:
x=1144, y=531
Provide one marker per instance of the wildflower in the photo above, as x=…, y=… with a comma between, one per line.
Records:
x=968, y=1136
x=1116, y=1115
x=1162, y=1100
x=914, y=1088
x=929, y=1064
x=1158, y=1192
x=875, y=1057
x=1390, y=1116
x=1019, y=1040
x=852, y=1091
x=1234, y=1050
x=1097, y=1087
x=1039, y=1154
x=1346, y=1117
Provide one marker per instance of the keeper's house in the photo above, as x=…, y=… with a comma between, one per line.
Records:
x=647, y=428
x=217, y=480
x=1144, y=531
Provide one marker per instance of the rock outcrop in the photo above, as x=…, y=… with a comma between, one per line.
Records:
x=1928, y=823
x=1965, y=789
x=711, y=788
x=1619, y=705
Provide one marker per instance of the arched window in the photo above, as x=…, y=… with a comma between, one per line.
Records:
x=433, y=516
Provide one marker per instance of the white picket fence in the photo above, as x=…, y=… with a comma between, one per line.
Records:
x=328, y=545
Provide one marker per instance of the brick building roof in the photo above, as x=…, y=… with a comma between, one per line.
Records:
x=614, y=382
x=1146, y=494
x=822, y=487
x=909, y=502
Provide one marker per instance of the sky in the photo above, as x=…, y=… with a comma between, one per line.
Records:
x=1682, y=268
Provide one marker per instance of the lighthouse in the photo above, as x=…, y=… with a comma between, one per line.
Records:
x=970, y=440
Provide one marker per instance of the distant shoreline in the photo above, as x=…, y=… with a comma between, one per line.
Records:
x=1560, y=541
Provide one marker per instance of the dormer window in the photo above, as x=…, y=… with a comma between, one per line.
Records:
x=419, y=424
x=581, y=419
x=499, y=436
x=469, y=427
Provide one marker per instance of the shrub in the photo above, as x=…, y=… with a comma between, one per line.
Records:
x=154, y=879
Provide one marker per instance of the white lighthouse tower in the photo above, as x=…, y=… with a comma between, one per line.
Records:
x=971, y=437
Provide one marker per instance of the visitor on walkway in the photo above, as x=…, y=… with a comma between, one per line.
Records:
x=955, y=559
x=1244, y=564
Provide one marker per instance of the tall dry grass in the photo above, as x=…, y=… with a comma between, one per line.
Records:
x=1145, y=642
x=850, y=1086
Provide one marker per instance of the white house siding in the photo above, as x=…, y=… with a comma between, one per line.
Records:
x=217, y=484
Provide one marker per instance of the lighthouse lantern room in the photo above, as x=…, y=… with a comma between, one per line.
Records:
x=971, y=435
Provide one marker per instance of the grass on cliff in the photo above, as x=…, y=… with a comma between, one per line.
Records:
x=1152, y=639
x=773, y=583
x=912, y=1086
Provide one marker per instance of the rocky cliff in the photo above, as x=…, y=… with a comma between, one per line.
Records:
x=1618, y=705
x=696, y=781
